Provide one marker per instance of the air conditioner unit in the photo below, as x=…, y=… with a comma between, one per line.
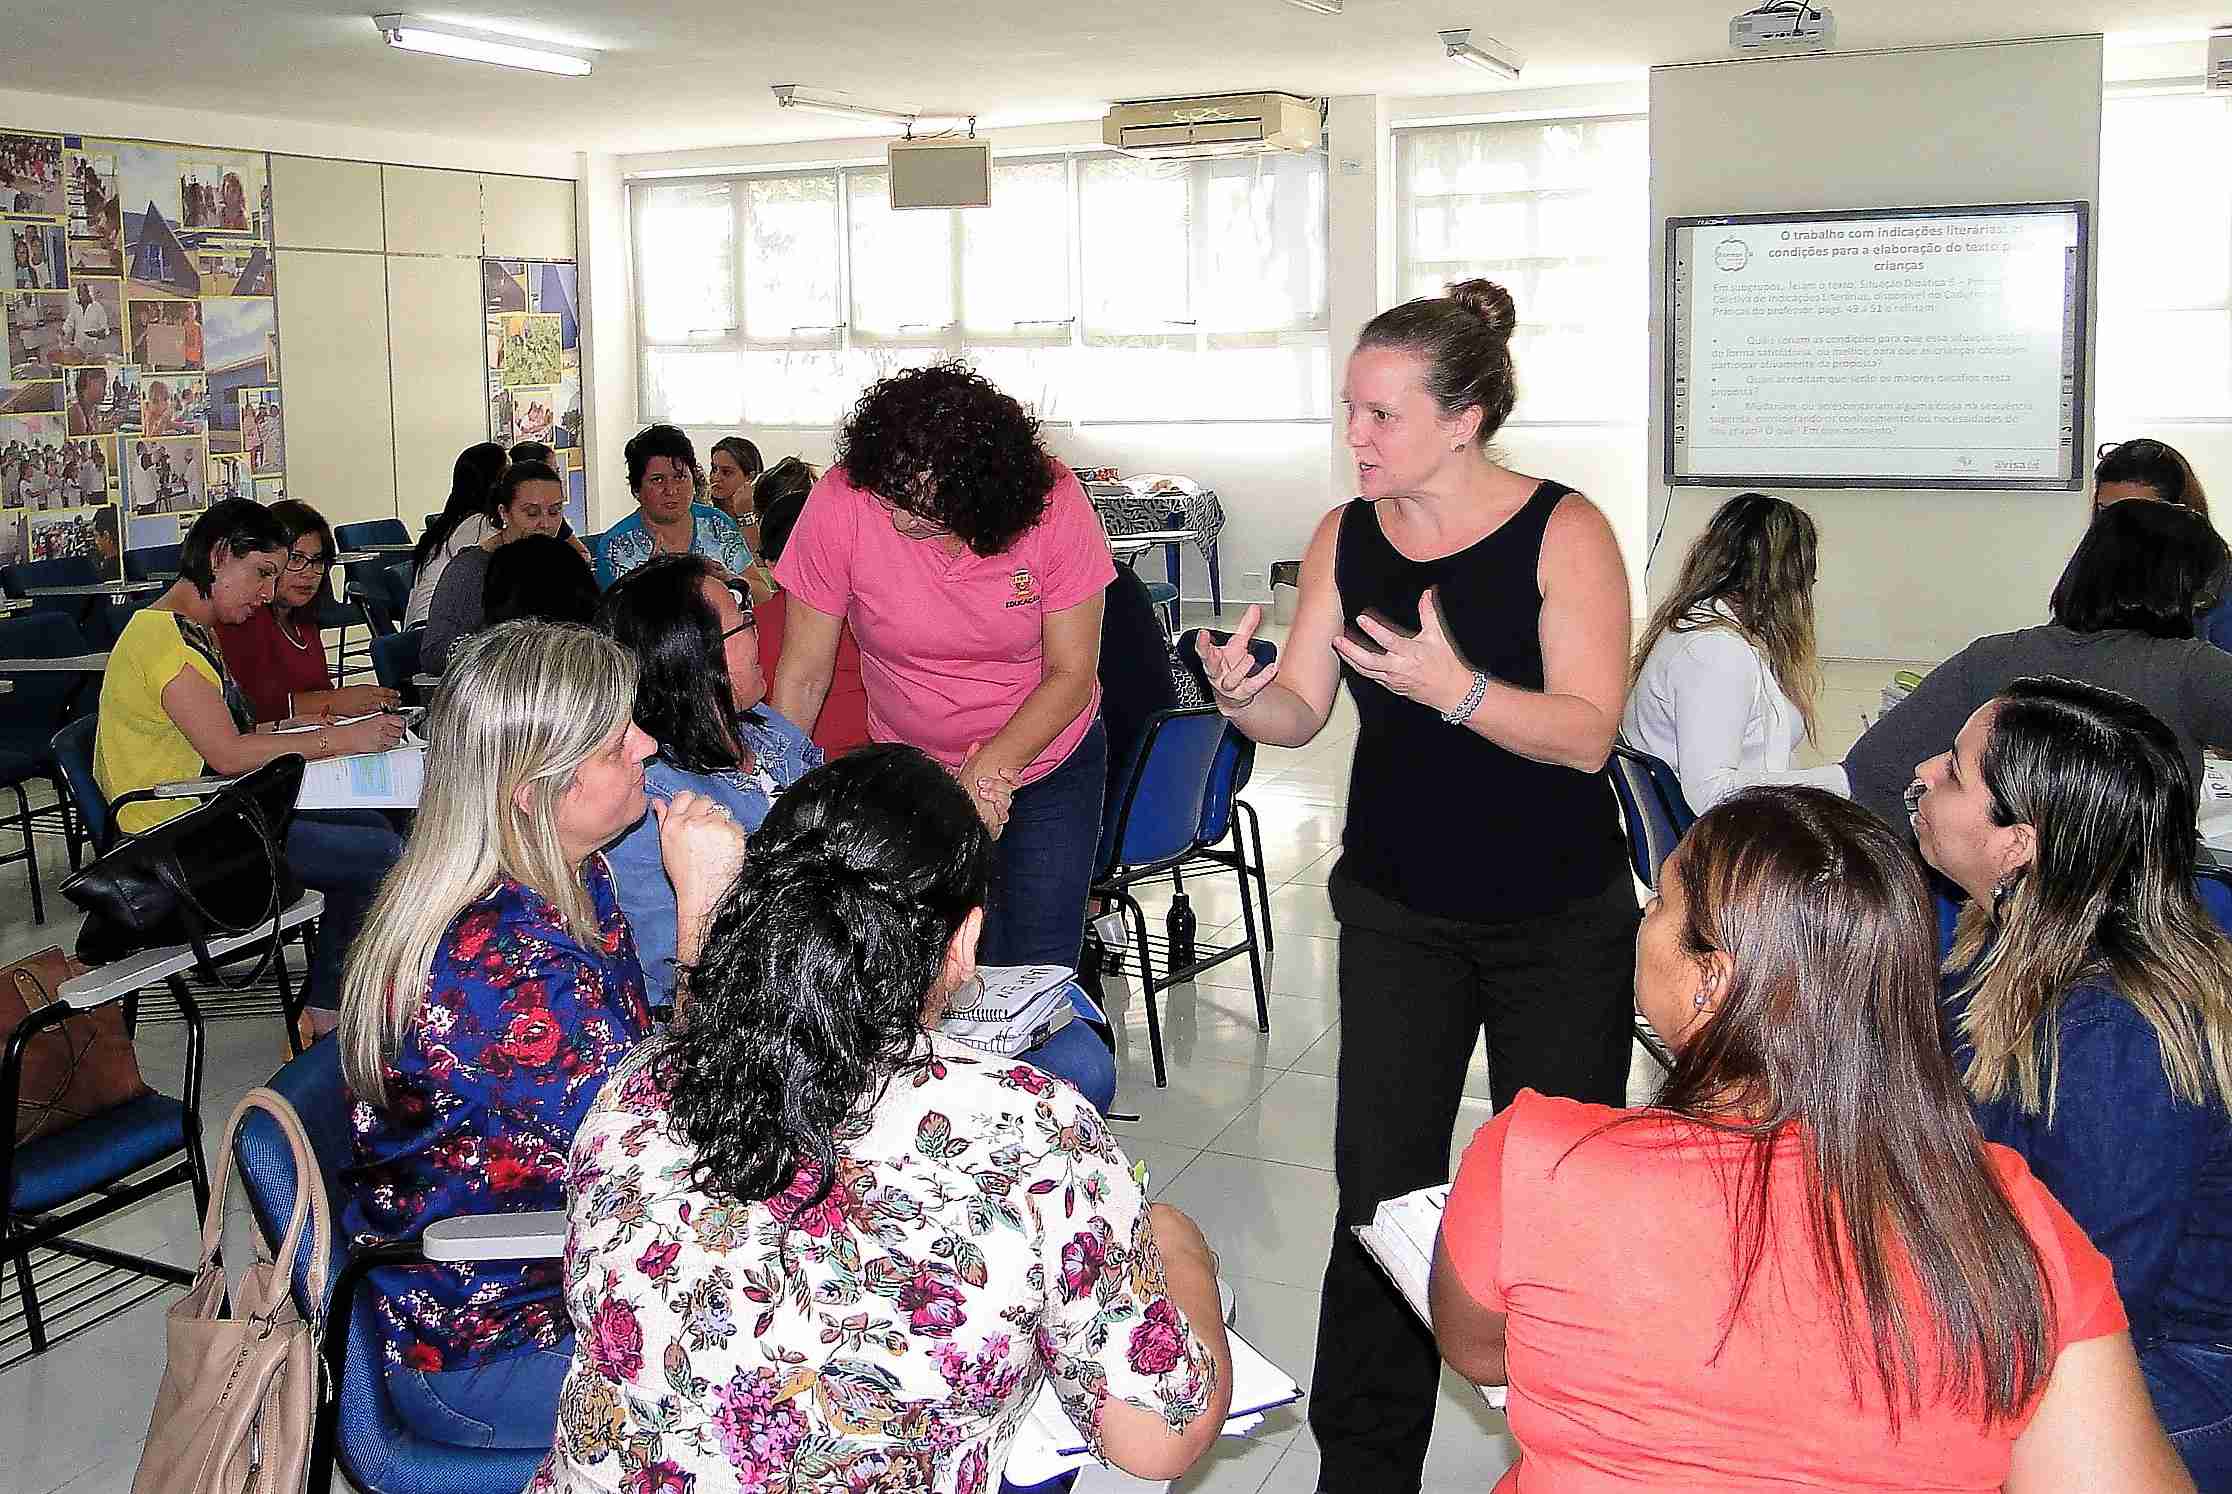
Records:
x=1224, y=124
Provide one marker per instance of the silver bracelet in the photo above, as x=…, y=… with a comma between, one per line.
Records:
x=1463, y=710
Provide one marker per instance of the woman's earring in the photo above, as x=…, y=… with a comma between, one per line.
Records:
x=1701, y=1000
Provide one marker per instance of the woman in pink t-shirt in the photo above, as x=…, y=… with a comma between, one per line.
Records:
x=1802, y=1267
x=970, y=566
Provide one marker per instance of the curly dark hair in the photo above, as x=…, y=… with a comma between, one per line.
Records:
x=808, y=997
x=659, y=441
x=947, y=446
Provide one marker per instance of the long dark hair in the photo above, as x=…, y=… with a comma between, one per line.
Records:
x=472, y=476
x=2158, y=465
x=945, y=444
x=808, y=997
x=1828, y=1038
x=2149, y=567
x=538, y=576
x=2108, y=896
x=298, y=519
x=658, y=612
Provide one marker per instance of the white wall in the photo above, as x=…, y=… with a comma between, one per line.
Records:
x=1904, y=575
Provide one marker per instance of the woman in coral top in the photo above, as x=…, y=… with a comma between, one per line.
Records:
x=1802, y=1267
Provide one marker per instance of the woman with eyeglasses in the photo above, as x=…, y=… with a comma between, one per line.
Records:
x=2158, y=472
x=970, y=566
x=699, y=697
x=278, y=655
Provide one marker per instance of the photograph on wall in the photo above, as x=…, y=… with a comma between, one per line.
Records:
x=94, y=408
x=30, y=399
x=240, y=343
x=35, y=320
x=171, y=405
x=244, y=270
x=98, y=480
x=166, y=335
x=96, y=213
x=93, y=326
x=161, y=529
x=12, y=525
x=262, y=434
x=166, y=476
x=529, y=349
x=504, y=286
x=577, y=496
x=84, y=533
x=38, y=257
x=31, y=462
x=221, y=194
x=534, y=416
x=229, y=476
x=31, y=177
x=270, y=489
x=566, y=434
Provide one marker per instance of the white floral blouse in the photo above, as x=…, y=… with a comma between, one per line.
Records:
x=984, y=1231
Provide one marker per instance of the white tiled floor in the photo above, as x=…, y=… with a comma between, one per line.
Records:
x=1241, y=1139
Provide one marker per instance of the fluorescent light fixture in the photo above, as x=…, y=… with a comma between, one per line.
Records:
x=441, y=39
x=1489, y=55
x=826, y=101
x=1321, y=7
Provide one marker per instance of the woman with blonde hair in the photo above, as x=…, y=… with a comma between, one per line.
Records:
x=2089, y=1005
x=1726, y=678
x=493, y=988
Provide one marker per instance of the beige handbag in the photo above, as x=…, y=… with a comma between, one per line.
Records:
x=240, y=1390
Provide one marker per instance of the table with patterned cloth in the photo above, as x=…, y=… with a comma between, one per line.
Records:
x=1129, y=508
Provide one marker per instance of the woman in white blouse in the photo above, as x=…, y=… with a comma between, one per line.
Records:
x=1726, y=676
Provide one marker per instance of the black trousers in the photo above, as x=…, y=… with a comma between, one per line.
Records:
x=1554, y=994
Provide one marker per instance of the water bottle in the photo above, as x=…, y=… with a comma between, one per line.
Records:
x=1181, y=925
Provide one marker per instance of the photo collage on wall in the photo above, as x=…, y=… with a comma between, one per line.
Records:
x=141, y=369
x=534, y=365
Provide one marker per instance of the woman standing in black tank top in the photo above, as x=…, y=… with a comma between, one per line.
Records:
x=1480, y=619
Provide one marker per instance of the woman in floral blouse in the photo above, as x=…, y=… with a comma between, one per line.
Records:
x=494, y=987
x=814, y=1248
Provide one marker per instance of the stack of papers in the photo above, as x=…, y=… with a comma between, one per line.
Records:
x=1049, y=1443
x=1010, y=1009
x=1401, y=1238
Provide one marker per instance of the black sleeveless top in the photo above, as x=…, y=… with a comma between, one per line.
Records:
x=1440, y=819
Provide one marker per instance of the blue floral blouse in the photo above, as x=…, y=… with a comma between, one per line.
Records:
x=984, y=1233
x=521, y=1023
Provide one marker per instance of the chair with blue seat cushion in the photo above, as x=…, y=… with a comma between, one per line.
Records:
x=151, y=563
x=1229, y=814
x=358, y=1428
x=37, y=705
x=395, y=659
x=1164, y=598
x=99, y=618
x=1155, y=831
x=59, y=1184
x=1656, y=816
x=371, y=532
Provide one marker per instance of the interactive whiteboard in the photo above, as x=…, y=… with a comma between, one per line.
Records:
x=1881, y=348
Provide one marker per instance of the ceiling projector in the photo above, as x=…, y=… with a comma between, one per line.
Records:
x=1783, y=26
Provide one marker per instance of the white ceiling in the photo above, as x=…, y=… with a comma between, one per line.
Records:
x=696, y=72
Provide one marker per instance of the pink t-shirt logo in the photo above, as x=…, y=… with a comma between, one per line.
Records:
x=1026, y=589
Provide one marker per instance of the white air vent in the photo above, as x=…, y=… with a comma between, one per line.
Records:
x=1225, y=124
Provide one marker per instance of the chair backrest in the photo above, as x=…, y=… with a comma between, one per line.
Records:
x=395, y=657
x=158, y=562
x=1236, y=759
x=73, y=750
x=1651, y=802
x=1160, y=810
x=42, y=702
x=68, y=570
x=371, y=532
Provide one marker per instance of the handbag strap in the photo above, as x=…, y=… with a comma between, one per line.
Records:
x=309, y=1203
x=250, y=810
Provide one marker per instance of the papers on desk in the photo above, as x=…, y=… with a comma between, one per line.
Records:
x=1401, y=1238
x=366, y=780
x=1010, y=1009
x=2216, y=803
x=1049, y=1444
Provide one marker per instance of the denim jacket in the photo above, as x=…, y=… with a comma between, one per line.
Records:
x=781, y=753
x=2148, y=1176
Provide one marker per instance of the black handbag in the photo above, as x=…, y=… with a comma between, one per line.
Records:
x=218, y=870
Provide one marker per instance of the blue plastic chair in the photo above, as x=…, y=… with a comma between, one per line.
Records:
x=30, y=714
x=61, y=1183
x=1156, y=829
x=371, y=532
x=1651, y=802
x=97, y=617
x=395, y=659
x=358, y=1427
x=151, y=563
x=1235, y=765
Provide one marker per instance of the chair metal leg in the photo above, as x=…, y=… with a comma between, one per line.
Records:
x=33, y=1324
x=1255, y=955
x=1242, y=809
x=1138, y=917
x=30, y=854
x=1216, y=583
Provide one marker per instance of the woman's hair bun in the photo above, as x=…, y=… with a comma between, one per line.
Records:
x=1488, y=301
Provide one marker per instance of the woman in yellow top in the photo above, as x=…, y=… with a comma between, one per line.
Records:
x=170, y=710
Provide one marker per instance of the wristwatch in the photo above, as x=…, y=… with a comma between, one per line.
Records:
x=1460, y=713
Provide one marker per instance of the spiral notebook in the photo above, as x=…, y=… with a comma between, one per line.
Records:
x=1401, y=1238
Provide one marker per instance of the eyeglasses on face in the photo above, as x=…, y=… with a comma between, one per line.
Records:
x=743, y=605
x=297, y=561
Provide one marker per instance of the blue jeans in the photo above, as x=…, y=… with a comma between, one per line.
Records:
x=1077, y=1054
x=507, y=1402
x=345, y=854
x=2191, y=1385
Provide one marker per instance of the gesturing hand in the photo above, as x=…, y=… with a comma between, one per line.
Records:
x=1233, y=677
x=1425, y=667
